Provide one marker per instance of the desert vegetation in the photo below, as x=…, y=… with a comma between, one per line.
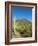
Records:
x=22, y=28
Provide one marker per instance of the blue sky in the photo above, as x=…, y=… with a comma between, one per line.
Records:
x=22, y=12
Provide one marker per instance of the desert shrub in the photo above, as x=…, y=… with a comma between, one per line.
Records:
x=25, y=29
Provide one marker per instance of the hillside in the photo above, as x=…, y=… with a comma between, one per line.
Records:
x=23, y=28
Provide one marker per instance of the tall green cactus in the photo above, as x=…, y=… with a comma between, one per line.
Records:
x=14, y=24
x=16, y=33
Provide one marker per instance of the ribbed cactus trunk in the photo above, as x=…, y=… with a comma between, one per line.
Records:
x=14, y=24
x=16, y=33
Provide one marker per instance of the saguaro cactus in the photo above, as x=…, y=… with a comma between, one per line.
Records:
x=14, y=24
x=16, y=33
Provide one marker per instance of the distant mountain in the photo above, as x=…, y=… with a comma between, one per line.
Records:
x=23, y=20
